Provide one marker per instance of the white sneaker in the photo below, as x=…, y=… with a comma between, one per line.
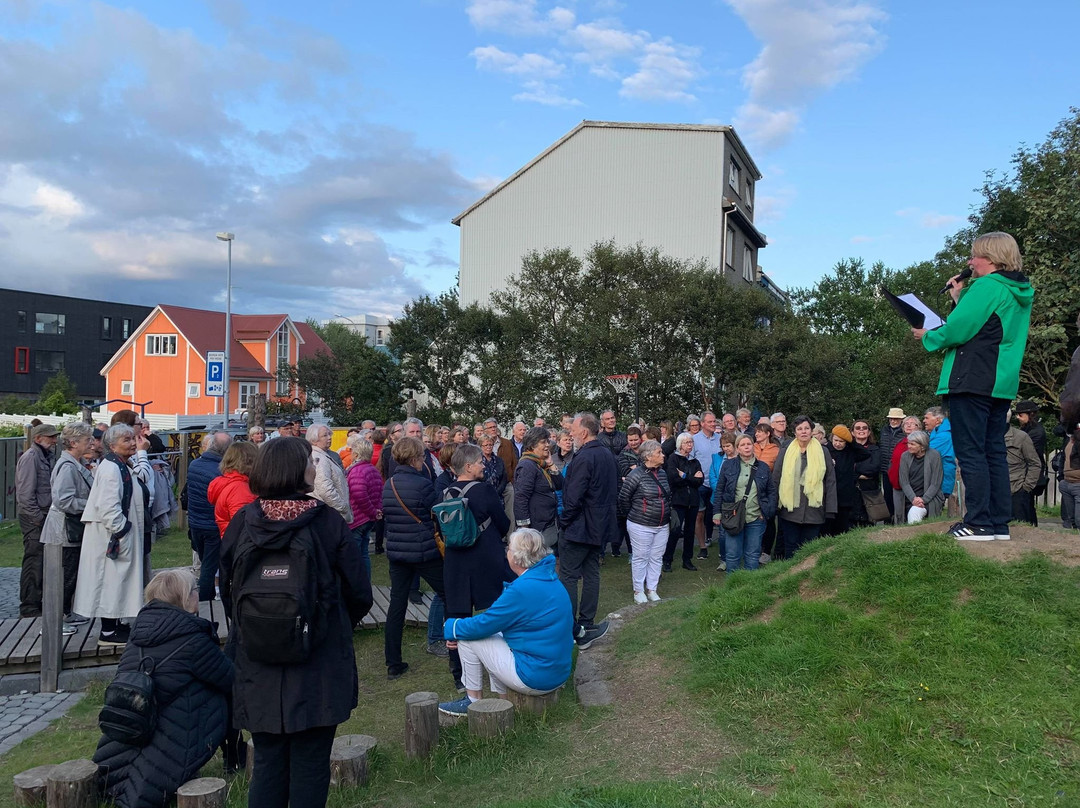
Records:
x=639, y=597
x=1002, y=536
x=653, y=596
x=764, y=558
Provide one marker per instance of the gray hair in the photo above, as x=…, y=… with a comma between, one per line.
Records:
x=535, y=436
x=937, y=412
x=919, y=437
x=693, y=417
x=465, y=454
x=220, y=441
x=526, y=547
x=411, y=421
x=776, y=415
x=647, y=448
x=73, y=432
x=114, y=433
x=362, y=448
x=741, y=411
x=255, y=430
x=206, y=442
x=171, y=586
x=314, y=431
x=683, y=436
x=589, y=422
x=914, y=418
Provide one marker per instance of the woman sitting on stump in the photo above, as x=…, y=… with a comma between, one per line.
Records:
x=523, y=640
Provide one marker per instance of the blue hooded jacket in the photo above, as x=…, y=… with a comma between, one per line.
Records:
x=941, y=441
x=534, y=615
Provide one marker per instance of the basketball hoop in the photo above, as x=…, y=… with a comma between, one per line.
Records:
x=622, y=382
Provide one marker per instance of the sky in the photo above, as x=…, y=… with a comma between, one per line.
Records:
x=338, y=138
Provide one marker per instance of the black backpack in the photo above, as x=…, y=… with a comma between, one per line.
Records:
x=129, y=714
x=278, y=611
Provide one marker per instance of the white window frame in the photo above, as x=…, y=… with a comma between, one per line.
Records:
x=160, y=344
x=729, y=247
x=734, y=175
x=378, y=336
x=282, y=387
x=127, y=387
x=748, y=264
x=748, y=196
x=194, y=390
x=247, y=390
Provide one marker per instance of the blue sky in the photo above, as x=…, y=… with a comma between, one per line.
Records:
x=337, y=141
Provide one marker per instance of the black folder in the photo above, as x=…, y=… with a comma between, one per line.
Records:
x=913, y=309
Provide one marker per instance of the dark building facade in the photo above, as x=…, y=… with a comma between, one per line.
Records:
x=41, y=334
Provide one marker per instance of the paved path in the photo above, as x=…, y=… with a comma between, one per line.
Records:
x=29, y=713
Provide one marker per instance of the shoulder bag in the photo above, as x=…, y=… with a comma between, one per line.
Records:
x=438, y=539
x=733, y=514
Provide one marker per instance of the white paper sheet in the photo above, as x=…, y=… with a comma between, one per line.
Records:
x=932, y=319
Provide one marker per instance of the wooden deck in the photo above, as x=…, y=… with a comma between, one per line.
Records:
x=20, y=638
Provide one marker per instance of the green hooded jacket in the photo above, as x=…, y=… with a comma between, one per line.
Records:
x=985, y=336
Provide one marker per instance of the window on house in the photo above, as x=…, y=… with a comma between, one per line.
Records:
x=194, y=390
x=22, y=360
x=49, y=323
x=127, y=388
x=729, y=247
x=734, y=176
x=49, y=361
x=378, y=336
x=125, y=328
x=248, y=390
x=161, y=344
x=106, y=327
x=283, y=358
x=748, y=197
x=20, y=318
x=748, y=264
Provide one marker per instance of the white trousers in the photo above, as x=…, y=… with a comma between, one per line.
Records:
x=648, y=544
x=494, y=654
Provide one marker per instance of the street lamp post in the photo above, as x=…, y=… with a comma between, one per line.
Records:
x=227, y=237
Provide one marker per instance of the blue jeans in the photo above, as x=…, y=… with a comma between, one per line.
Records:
x=362, y=534
x=978, y=432
x=207, y=543
x=744, y=546
x=435, y=619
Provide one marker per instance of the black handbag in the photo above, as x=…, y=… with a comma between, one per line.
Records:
x=74, y=527
x=876, y=508
x=733, y=514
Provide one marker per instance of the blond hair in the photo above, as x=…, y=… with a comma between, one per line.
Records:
x=171, y=586
x=1000, y=249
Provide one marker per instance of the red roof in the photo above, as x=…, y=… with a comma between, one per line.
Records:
x=312, y=343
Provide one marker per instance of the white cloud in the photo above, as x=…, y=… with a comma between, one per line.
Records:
x=540, y=92
x=665, y=70
x=527, y=64
x=517, y=17
x=770, y=208
x=931, y=220
x=808, y=47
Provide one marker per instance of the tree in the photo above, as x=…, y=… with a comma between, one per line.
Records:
x=355, y=381
x=58, y=396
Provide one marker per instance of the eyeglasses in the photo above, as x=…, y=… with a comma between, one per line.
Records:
x=862, y=429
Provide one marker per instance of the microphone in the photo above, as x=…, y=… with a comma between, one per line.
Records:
x=963, y=276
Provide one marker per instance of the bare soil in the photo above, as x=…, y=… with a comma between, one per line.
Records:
x=1053, y=542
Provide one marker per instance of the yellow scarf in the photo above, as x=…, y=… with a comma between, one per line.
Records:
x=812, y=481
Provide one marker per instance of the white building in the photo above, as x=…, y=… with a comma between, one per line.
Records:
x=686, y=190
x=376, y=330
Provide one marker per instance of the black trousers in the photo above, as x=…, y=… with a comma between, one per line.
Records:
x=688, y=513
x=795, y=535
x=71, y=557
x=580, y=562
x=401, y=578
x=768, y=541
x=31, y=578
x=1023, y=508
x=706, y=504
x=292, y=769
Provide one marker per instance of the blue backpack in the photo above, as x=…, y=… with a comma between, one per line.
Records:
x=454, y=522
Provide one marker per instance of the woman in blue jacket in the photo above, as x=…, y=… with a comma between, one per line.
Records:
x=745, y=476
x=525, y=639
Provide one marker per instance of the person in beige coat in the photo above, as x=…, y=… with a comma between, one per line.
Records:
x=113, y=561
x=331, y=484
x=1025, y=466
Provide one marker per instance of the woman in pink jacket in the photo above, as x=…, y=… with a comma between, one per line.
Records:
x=365, y=494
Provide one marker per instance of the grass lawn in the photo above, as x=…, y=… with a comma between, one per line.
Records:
x=899, y=674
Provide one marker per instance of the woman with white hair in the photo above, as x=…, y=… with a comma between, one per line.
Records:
x=685, y=478
x=524, y=639
x=115, y=540
x=645, y=501
x=921, y=475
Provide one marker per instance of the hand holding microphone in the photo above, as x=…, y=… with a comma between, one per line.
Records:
x=954, y=283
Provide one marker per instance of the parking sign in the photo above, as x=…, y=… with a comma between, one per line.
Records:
x=215, y=373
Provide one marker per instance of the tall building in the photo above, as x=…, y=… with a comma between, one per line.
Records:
x=376, y=330
x=684, y=189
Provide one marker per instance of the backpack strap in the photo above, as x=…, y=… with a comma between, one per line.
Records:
x=153, y=665
x=461, y=494
x=393, y=488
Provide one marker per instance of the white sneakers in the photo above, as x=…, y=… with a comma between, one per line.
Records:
x=639, y=597
x=653, y=596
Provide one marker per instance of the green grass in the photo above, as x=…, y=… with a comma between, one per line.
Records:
x=171, y=550
x=900, y=674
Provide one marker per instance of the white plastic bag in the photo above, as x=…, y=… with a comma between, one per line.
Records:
x=915, y=514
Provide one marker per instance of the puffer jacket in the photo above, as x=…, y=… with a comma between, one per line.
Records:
x=365, y=493
x=409, y=540
x=726, y=482
x=535, y=503
x=201, y=471
x=684, y=478
x=887, y=440
x=645, y=497
x=190, y=689
x=228, y=494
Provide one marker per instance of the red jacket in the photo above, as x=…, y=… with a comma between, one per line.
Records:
x=365, y=492
x=228, y=494
x=894, y=466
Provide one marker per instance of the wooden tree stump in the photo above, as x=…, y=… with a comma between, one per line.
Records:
x=421, y=723
x=205, y=792
x=534, y=705
x=249, y=761
x=349, y=760
x=490, y=718
x=72, y=784
x=30, y=785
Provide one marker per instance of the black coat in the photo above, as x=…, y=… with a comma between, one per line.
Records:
x=614, y=440
x=589, y=494
x=474, y=576
x=845, y=460
x=407, y=540
x=628, y=461
x=681, y=473
x=322, y=691
x=535, y=504
x=887, y=442
x=645, y=497
x=190, y=690
x=870, y=467
x=727, y=481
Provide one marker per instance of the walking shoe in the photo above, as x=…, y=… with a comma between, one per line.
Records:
x=459, y=686
x=67, y=630
x=587, y=636
x=416, y=598
x=616, y=553
x=666, y=567
x=117, y=637
x=438, y=648
x=457, y=708
x=651, y=595
x=703, y=553
x=639, y=597
x=687, y=565
x=722, y=567
x=75, y=619
x=397, y=671
x=1002, y=535
x=962, y=532
x=764, y=558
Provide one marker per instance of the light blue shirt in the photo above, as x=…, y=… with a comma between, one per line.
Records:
x=704, y=449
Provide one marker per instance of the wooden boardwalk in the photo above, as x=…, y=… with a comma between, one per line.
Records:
x=20, y=638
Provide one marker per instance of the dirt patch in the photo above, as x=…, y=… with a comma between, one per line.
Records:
x=808, y=591
x=770, y=613
x=964, y=596
x=1057, y=545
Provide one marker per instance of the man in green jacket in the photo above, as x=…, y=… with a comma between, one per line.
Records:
x=984, y=340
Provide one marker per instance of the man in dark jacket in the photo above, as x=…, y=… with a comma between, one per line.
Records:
x=891, y=432
x=202, y=528
x=608, y=436
x=33, y=495
x=1027, y=413
x=589, y=522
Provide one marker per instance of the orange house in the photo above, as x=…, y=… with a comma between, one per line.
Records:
x=164, y=360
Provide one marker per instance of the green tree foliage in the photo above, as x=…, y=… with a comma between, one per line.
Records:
x=58, y=396
x=355, y=381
